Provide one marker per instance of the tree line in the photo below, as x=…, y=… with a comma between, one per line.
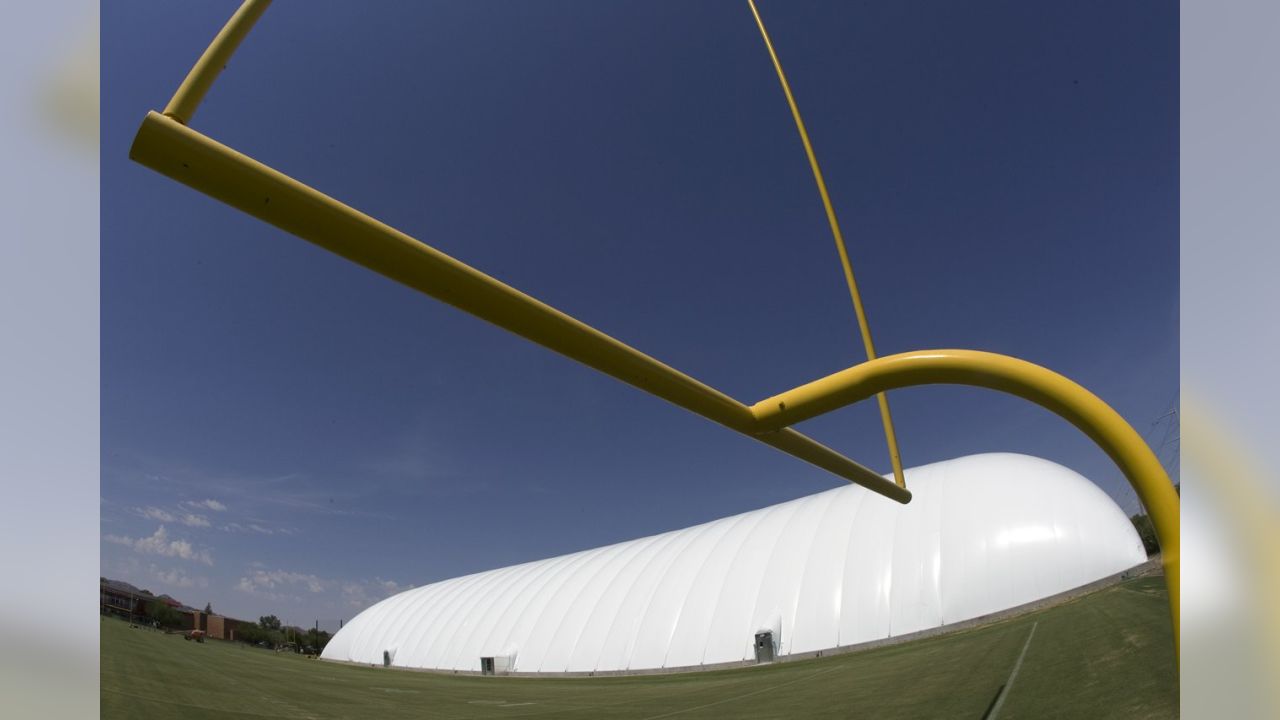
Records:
x=271, y=632
x=268, y=631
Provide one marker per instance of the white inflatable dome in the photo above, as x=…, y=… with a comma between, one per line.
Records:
x=983, y=533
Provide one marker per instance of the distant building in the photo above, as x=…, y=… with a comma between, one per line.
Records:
x=120, y=598
x=215, y=626
x=117, y=597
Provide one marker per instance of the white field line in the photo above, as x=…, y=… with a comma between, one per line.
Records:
x=1013, y=675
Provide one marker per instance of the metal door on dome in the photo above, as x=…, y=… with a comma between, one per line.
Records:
x=764, y=647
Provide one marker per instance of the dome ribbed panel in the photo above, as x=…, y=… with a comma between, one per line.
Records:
x=491, y=635
x=916, y=564
x=732, y=630
x=691, y=632
x=670, y=594
x=541, y=599
x=590, y=643
x=616, y=630
x=868, y=572
x=423, y=640
x=549, y=629
x=817, y=611
x=582, y=624
x=627, y=627
x=779, y=584
x=465, y=642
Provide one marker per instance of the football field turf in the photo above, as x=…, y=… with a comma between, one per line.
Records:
x=1105, y=655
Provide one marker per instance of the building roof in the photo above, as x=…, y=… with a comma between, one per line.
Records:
x=121, y=586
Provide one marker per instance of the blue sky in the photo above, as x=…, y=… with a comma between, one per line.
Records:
x=284, y=432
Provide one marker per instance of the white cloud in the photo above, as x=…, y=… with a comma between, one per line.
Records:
x=277, y=583
x=284, y=585
x=193, y=520
x=367, y=592
x=177, y=578
x=254, y=527
x=156, y=513
x=213, y=505
x=164, y=516
x=159, y=543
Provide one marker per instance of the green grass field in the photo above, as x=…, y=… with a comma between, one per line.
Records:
x=1107, y=655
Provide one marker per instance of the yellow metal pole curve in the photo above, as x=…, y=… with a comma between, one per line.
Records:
x=1017, y=377
x=886, y=418
x=215, y=58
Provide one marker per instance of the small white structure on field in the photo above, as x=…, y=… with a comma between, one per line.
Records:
x=983, y=533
